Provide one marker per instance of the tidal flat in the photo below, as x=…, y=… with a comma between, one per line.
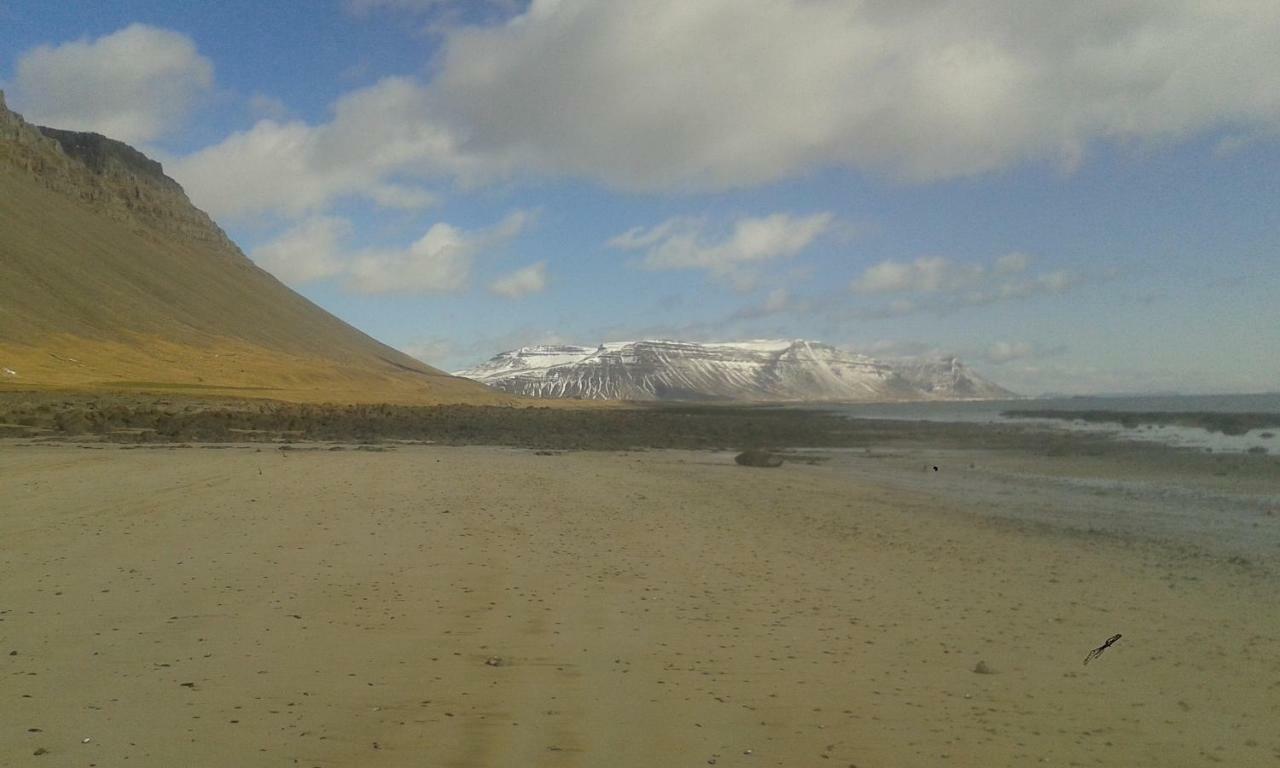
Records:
x=916, y=595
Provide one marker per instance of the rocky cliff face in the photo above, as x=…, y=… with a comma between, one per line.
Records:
x=786, y=371
x=110, y=176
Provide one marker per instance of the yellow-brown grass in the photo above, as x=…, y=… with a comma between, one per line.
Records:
x=93, y=299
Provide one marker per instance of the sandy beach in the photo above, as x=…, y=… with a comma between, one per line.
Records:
x=480, y=606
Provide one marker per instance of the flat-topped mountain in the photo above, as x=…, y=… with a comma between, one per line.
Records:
x=783, y=371
x=111, y=278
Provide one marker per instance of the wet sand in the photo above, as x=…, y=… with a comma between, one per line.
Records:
x=493, y=607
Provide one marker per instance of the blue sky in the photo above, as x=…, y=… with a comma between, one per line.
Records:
x=1072, y=197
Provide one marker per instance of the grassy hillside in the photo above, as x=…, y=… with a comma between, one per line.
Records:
x=110, y=279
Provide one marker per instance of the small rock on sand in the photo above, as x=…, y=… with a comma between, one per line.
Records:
x=758, y=457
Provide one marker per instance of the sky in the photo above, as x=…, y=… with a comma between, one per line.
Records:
x=1072, y=197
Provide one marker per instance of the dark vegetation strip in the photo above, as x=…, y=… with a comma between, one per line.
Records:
x=138, y=419
x=1226, y=423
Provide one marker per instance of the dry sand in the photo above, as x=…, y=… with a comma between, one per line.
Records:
x=203, y=607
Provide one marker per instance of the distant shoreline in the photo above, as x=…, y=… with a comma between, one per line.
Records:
x=1225, y=423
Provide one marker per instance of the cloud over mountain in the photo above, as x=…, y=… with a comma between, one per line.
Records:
x=135, y=85
x=521, y=282
x=380, y=145
x=720, y=94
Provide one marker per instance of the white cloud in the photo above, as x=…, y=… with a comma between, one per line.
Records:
x=379, y=136
x=683, y=243
x=512, y=224
x=924, y=275
x=669, y=94
x=639, y=237
x=136, y=85
x=714, y=94
x=438, y=262
x=938, y=284
x=521, y=282
x=725, y=93
x=309, y=251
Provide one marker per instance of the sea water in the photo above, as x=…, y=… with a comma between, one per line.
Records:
x=990, y=411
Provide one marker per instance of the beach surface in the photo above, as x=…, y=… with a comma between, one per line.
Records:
x=482, y=606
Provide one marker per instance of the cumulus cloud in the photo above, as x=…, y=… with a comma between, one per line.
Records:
x=310, y=251
x=438, y=262
x=136, y=85
x=521, y=282
x=725, y=93
x=380, y=138
x=939, y=283
x=684, y=243
x=924, y=275
x=718, y=94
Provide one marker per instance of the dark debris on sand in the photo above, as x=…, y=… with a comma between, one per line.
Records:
x=758, y=457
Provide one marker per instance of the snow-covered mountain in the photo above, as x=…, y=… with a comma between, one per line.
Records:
x=749, y=370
